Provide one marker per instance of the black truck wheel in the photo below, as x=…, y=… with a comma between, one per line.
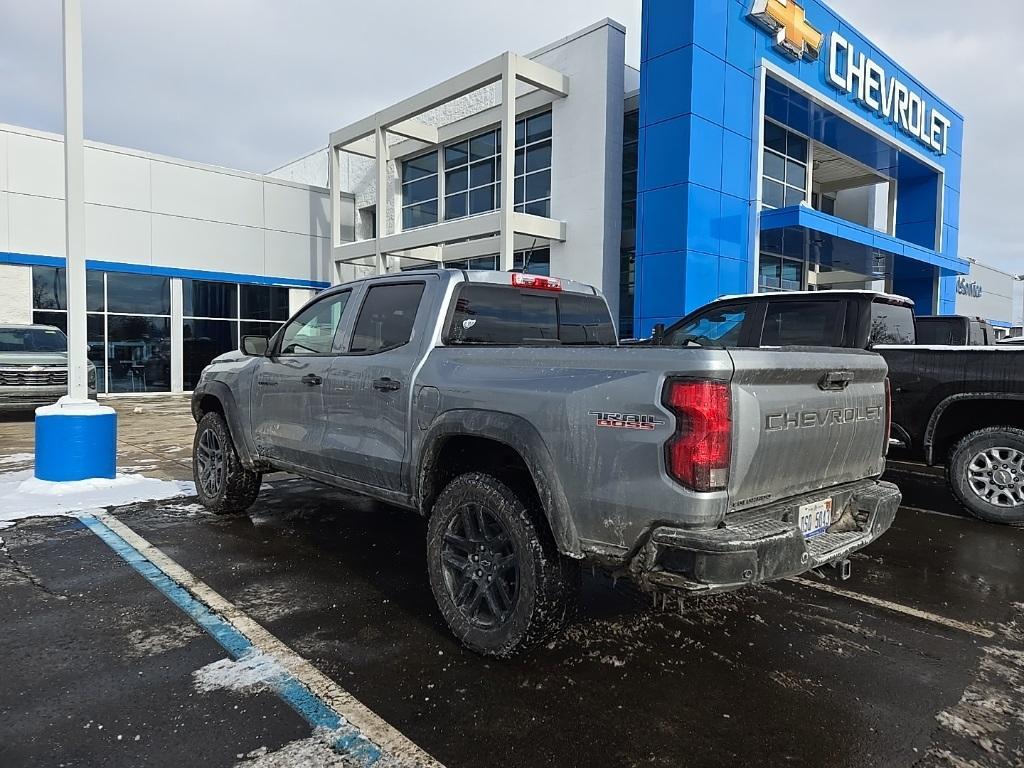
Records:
x=986, y=472
x=223, y=484
x=495, y=571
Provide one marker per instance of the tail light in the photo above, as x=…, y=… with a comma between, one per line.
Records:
x=699, y=453
x=887, y=438
x=537, y=282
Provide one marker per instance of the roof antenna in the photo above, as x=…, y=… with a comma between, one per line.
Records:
x=529, y=257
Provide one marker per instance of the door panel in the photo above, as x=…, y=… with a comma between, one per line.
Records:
x=369, y=390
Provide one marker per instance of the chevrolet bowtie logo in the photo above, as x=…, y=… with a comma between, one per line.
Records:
x=794, y=36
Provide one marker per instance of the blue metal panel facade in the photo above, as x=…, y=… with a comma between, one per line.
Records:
x=710, y=75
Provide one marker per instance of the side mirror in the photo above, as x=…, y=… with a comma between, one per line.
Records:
x=659, y=333
x=255, y=346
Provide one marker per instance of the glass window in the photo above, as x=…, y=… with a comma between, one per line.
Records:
x=138, y=294
x=264, y=302
x=801, y=323
x=56, y=319
x=784, y=172
x=204, y=340
x=386, y=317
x=49, y=289
x=536, y=261
x=892, y=323
x=312, y=332
x=251, y=328
x=532, y=192
x=584, y=321
x=492, y=314
x=202, y=298
x=538, y=128
x=139, y=353
x=716, y=328
x=419, y=191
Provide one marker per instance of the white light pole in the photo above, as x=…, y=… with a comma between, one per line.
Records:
x=74, y=199
x=76, y=439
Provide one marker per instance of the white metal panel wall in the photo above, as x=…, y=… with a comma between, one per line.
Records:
x=36, y=224
x=3, y=161
x=291, y=209
x=200, y=194
x=35, y=166
x=209, y=245
x=119, y=234
x=4, y=236
x=996, y=301
x=291, y=255
x=117, y=179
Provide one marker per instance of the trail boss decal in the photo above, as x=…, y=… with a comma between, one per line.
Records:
x=780, y=422
x=627, y=421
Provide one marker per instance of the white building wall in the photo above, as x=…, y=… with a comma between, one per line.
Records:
x=157, y=211
x=997, y=294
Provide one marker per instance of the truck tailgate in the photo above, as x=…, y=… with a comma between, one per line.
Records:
x=805, y=420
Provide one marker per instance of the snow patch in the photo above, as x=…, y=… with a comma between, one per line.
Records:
x=17, y=458
x=255, y=671
x=23, y=495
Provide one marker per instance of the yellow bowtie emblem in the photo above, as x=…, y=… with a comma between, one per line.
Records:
x=794, y=35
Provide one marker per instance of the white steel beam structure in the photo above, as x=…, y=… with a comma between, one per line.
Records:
x=503, y=227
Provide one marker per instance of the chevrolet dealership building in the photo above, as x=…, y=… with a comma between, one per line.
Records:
x=763, y=145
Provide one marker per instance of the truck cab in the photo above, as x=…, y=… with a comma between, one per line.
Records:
x=954, y=331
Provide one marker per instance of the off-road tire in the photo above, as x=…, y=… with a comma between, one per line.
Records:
x=958, y=473
x=546, y=597
x=236, y=487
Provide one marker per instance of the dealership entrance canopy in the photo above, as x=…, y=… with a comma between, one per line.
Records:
x=780, y=149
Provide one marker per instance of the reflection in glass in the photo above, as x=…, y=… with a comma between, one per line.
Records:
x=202, y=298
x=49, y=289
x=259, y=329
x=138, y=294
x=202, y=341
x=139, y=354
x=264, y=302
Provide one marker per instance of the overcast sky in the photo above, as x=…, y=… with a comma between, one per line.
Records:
x=251, y=84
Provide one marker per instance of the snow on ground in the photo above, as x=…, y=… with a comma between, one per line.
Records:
x=22, y=495
x=254, y=671
x=17, y=458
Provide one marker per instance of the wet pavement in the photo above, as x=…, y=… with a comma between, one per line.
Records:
x=930, y=672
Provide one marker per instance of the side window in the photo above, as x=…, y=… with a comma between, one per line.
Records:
x=312, y=331
x=716, y=328
x=386, y=318
x=801, y=323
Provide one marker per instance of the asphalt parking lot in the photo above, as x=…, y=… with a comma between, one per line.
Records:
x=917, y=660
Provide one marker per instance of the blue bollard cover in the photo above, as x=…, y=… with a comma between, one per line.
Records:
x=76, y=441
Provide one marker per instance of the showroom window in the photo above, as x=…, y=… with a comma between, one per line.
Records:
x=784, y=179
x=215, y=316
x=469, y=179
x=128, y=325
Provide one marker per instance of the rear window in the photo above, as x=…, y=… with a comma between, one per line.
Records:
x=801, y=323
x=496, y=315
x=934, y=332
x=892, y=324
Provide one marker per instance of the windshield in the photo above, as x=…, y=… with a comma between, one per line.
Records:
x=717, y=328
x=32, y=340
x=892, y=323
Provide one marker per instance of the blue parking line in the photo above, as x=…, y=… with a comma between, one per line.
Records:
x=348, y=740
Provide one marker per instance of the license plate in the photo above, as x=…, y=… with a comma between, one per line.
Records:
x=815, y=518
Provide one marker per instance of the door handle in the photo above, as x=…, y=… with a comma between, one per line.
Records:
x=835, y=381
x=266, y=383
x=312, y=380
x=387, y=385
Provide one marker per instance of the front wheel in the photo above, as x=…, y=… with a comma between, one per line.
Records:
x=986, y=472
x=495, y=571
x=223, y=484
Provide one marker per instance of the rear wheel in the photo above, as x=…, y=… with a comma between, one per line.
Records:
x=495, y=571
x=986, y=472
x=223, y=484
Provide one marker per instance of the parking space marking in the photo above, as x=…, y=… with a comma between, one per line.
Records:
x=934, y=618
x=361, y=735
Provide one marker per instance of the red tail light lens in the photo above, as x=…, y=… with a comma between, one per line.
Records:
x=888, y=417
x=699, y=453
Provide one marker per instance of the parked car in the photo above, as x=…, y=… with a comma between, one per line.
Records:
x=955, y=331
x=962, y=408
x=500, y=406
x=34, y=367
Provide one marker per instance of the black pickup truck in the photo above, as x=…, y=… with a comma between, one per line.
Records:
x=962, y=407
x=955, y=331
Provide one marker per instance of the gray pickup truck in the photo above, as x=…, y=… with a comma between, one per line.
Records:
x=500, y=406
x=34, y=367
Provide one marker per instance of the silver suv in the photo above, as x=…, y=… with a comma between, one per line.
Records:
x=34, y=366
